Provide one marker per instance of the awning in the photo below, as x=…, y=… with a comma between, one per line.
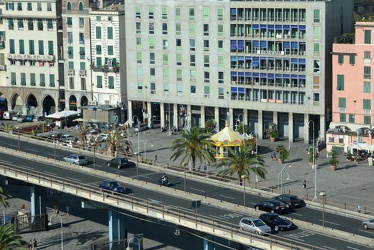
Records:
x=286, y=27
x=302, y=27
x=241, y=44
x=234, y=90
x=248, y=74
x=294, y=45
x=256, y=44
x=270, y=76
x=241, y=90
x=271, y=27
x=286, y=45
x=63, y=114
x=241, y=74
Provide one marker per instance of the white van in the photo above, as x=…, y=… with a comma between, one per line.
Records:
x=8, y=115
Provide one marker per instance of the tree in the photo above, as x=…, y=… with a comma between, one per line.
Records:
x=82, y=135
x=7, y=127
x=243, y=162
x=241, y=128
x=210, y=125
x=193, y=145
x=115, y=143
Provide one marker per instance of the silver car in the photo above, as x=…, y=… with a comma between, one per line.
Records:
x=254, y=225
x=368, y=224
x=76, y=159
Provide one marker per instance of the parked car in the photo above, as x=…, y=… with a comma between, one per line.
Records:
x=76, y=159
x=8, y=115
x=368, y=224
x=21, y=118
x=254, y=225
x=290, y=200
x=272, y=206
x=30, y=117
x=276, y=222
x=113, y=186
x=118, y=162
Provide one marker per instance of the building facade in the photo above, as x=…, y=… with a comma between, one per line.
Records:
x=257, y=62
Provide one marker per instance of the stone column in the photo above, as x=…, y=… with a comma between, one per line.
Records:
x=260, y=125
x=202, y=117
x=290, y=130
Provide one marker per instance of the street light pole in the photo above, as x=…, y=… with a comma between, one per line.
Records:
x=314, y=163
x=94, y=149
x=62, y=233
x=138, y=130
x=244, y=194
x=54, y=142
x=323, y=207
x=281, y=175
x=137, y=165
x=185, y=178
x=239, y=121
x=19, y=138
x=169, y=120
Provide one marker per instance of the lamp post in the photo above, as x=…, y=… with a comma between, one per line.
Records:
x=19, y=138
x=145, y=148
x=169, y=120
x=281, y=176
x=185, y=177
x=138, y=130
x=54, y=142
x=239, y=121
x=314, y=163
x=137, y=165
x=133, y=239
x=94, y=156
x=62, y=233
x=244, y=194
x=323, y=194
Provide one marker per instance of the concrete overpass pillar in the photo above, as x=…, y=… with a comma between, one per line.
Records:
x=260, y=131
x=209, y=243
x=116, y=225
x=37, y=200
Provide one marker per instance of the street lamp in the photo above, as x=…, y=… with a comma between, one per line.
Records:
x=169, y=120
x=54, y=142
x=19, y=138
x=133, y=239
x=145, y=148
x=137, y=165
x=314, y=163
x=94, y=151
x=185, y=176
x=244, y=194
x=323, y=194
x=138, y=130
x=281, y=175
x=239, y=121
x=62, y=233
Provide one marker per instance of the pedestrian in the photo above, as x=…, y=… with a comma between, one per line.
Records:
x=198, y=167
x=23, y=206
x=55, y=205
x=30, y=244
x=359, y=208
x=205, y=167
x=304, y=184
x=35, y=245
x=156, y=158
x=57, y=212
x=67, y=210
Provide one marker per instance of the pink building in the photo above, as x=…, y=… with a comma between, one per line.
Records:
x=352, y=93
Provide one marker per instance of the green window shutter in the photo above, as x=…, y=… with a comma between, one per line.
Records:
x=29, y=6
x=80, y=6
x=111, y=82
x=98, y=49
x=19, y=6
x=367, y=88
x=98, y=32
x=11, y=46
x=41, y=47
x=99, y=61
x=367, y=38
x=30, y=24
x=367, y=120
x=366, y=104
x=352, y=59
x=343, y=117
x=49, y=24
x=82, y=66
x=50, y=48
x=351, y=118
x=32, y=79
x=69, y=6
x=70, y=52
x=40, y=24
x=82, y=53
x=23, y=79
x=110, y=32
x=206, y=90
x=42, y=80
x=69, y=21
x=342, y=102
x=51, y=80
x=71, y=65
x=21, y=46
x=110, y=50
x=114, y=62
x=340, y=59
x=99, y=82
x=340, y=85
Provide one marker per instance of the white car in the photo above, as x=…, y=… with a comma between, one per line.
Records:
x=254, y=225
x=76, y=159
x=368, y=224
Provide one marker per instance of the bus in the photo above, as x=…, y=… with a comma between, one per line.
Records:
x=3, y=104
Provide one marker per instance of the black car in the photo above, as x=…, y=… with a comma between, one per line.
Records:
x=118, y=162
x=271, y=206
x=290, y=200
x=112, y=185
x=274, y=221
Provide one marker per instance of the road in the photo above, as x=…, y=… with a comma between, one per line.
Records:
x=215, y=213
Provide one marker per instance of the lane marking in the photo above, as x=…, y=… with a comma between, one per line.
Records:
x=33, y=150
x=50, y=173
x=8, y=162
x=198, y=190
x=155, y=201
x=298, y=214
x=218, y=217
x=366, y=231
x=27, y=167
x=330, y=248
x=13, y=145
x=224, y=196
x=73, y=179
x=352, y=248
x=336, y=224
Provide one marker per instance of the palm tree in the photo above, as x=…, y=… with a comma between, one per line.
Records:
x=241, y=163
x=7, y=127
x=83, y=131
x=3, y=194
x=115, y=143
x=8, y=240
x=193, y=145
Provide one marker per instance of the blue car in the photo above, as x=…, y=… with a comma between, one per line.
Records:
x=112, y=185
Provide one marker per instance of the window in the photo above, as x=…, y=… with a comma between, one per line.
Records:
x=42, y=80
x=13, y=78
x=99, y=82
x=20, y=24
x=192, y=60
x=49, y=24
x=19, y=6
x=32, y=79
x=206, y=92
x=220, y=77
x=21, y=46
x=352, y=59
x=165, y=74
x=367, y=120
x=138, y=42
x=98, y=32
x=10, y=24
x=50, y=48
x=31, y=47
x=221, y=93
x=165, y=44
x=316, y=49
x=98, y=18
x=49, y=7
x=178, y=13
x=340, y=84
x=351, y=118
x=69, y=6
x=206, y=76
x=23, y=79
x=340, y=59
x=138, y=57
x=81, y=21
x=179, y=59
x=220, y=61
x=83, y=84
x=140, y=87
x=206, y=61
x=367, y=72
x=206, y=45
x=99, y=62
x=110, y=50
x=138, y=27
x=220, y=46
x=192, y=29
x=70, y=38
x=153, y=88
x=151, y=28
x=366, y=104
x=98, y=49
x=152, y=58
x=40, y=24
x=164, y=28
x=192, y=13
x=220, y=29
x=220, y=14
x=193, y=75
x=70, y=52
x=71, y=82
x=41, y=47
x=110, y=32
x=367, y=54
x=179, y=75
x=342, y=102
x=316, y=66
x=316, y=32
x=166, y=88
x=69, y=21
x=367, y=38
x=164, y=13
x=151, y=12
x=178, y=29
x=82, y=53
x=29, y=6
x=343, y=117
x=367, y=88
x=82, y=66
x=80, y=6
x=179, y=89
x=316, y=16
x=152, y=73
x=30, y=24
x=71, y=65
x=111, y=82
x=51, y=80
x=192, y=44
x=193, y=90
x=178, y=43
x=152, y=43
x=316, y=97
x=206, y=29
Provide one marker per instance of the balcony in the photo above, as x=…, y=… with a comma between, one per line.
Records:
x=20, y=57
x=40, y=57
x=341, y=110
x=50, y=58
x=82, y=73
x=71, y=72
x=11, y=56
x=30, y=57
x=2, y=67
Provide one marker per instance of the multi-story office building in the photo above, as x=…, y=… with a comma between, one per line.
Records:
x=32, y=56
x=257, y=61
x=352, y=113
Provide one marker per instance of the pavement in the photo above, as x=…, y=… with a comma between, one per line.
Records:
x=350, y=185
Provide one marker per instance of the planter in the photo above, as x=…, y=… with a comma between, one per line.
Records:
x=280, y=161
x=272, y=139
x=333, y=167
x=310, y=164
